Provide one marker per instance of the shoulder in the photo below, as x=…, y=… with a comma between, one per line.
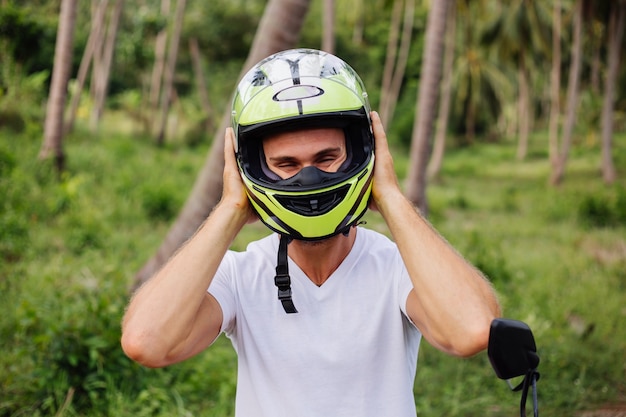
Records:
x=372, y=241
x=244, y=274
x=256, y=259
x=264, y=247
x=373, y=251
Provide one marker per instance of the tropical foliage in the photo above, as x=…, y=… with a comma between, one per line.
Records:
x=71, y=242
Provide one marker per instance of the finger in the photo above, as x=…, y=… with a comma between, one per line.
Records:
x=231, y=162
x=379, y=131
x=376, y=123
x=229, y=146
x=384, y=172
x=228, y=141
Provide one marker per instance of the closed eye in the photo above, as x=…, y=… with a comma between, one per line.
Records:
x=327, y=160
x=329, y=156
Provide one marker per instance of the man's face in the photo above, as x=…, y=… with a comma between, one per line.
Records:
x=287, y=153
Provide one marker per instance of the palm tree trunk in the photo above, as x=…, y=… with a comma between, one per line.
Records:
x=53, y=128
x=555, y=85
x=359, y=23
x=403, y=58
x=390, y=61
x=572, y=96
x=328, y=27
x=201, y=83
x=103, y=71
x=95, y=39
x=160, y=48
x=170, y=69
x=616, y=33
x=470, y=118
x=278, y=29
x=523, y=111
x=596, y=60
x=436, y=160
x=426, y=105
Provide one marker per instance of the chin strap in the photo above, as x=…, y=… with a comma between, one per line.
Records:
x=282, y=279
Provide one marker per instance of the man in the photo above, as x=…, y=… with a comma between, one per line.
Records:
x=336, y=332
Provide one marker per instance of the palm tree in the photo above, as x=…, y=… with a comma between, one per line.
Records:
x=390, y=59
x=160, y=49
x=328, y=26
x=53, y=129
x=205, y=102
x=558, y=170
x=555, y=83
x=102, y=66
x=278, y=29
x=481, y=85
x=396, y=57
x=170, y=68
x=521, y=31
x=357, y=12
x=93, y=42
x=426, y=104
x=616, y=34
x=436, y=160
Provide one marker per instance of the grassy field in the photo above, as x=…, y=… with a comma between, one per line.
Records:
x=69, y=248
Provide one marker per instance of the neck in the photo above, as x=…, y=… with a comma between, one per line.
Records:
x=319, y=259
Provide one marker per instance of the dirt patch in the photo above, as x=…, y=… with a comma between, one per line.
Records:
x=618, y=410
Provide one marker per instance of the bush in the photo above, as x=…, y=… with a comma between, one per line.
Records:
x=159, y=202
x=7, y=163
x=488, y=257
x=13, y=236
x=21, y=96
x=12, y=120
x=13, y=225
x=604, y=209
x=72, y=336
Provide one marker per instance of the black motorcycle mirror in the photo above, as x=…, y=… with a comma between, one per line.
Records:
x=513, y=353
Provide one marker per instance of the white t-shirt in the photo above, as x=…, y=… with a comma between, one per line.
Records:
x=349, y=351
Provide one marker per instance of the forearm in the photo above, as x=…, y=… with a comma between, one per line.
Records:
x=454, y=304
x=165, y=312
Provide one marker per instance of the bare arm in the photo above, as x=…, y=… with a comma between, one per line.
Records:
x=172, y=317
x=452, y=303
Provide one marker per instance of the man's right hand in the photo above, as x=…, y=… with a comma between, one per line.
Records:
x=234, y=191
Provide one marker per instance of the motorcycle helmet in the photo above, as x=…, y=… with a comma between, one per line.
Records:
x=301, y=89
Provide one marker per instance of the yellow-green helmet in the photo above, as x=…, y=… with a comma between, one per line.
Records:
x=300, y=89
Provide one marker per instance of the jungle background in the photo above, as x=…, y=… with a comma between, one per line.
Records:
x=506, y=118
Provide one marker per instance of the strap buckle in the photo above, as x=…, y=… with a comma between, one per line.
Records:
x=283, y=282
x=282, y=279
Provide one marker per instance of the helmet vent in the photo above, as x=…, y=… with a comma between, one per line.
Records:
x=314, y=205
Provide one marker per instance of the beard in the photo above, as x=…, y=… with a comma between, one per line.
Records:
x=320, y=242
x=315, y=243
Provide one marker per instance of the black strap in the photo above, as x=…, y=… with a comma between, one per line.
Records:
x=282, y=279
x=530, y=380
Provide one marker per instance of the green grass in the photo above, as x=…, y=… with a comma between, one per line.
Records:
x=69, y=248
